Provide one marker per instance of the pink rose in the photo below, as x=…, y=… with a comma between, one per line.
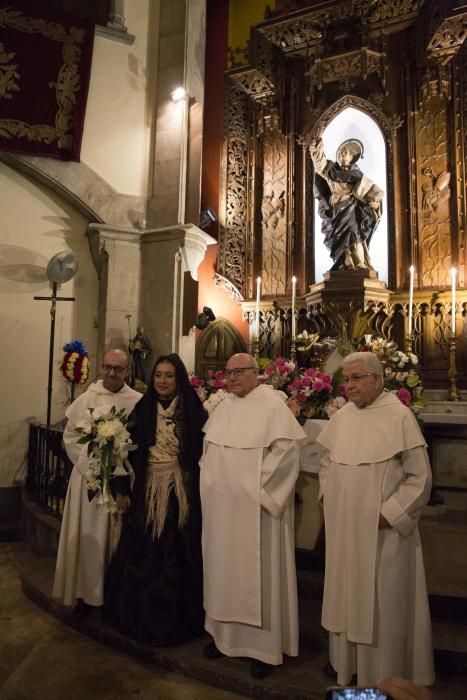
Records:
x=404, y=397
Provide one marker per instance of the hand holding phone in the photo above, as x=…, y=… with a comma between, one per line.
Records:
x=353, y=693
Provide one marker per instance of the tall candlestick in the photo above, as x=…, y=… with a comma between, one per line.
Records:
x=294, y=289
x=258, y=297
x=453, y=307
x=411, y=271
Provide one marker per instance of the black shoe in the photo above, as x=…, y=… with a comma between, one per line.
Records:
x=260, y=670
x=212, y=652
x=81, y=610
x=330, y=672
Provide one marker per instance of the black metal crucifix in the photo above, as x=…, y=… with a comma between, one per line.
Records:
x=53, y=298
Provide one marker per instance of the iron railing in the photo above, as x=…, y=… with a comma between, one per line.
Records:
x=49, y=468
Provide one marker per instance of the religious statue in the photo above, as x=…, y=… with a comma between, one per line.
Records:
x=349, y=203
x=140, y=352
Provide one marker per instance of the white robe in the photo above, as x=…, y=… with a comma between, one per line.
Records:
x=248, y=473
x=84, y=548
x=375, y=602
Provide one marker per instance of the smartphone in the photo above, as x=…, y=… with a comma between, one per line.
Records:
x=353, y=693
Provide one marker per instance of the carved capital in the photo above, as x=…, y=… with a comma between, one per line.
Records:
x=447, y=38
x=436, y=82
x=254, y=83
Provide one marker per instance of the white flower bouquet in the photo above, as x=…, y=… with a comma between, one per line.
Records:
x=104, y=431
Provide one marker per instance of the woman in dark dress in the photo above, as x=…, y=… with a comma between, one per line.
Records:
x=154, y=586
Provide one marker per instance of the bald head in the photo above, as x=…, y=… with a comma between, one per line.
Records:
x=241, y=374
x=115, y=368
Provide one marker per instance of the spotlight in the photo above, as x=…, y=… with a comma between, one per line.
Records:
x=178, y=94
x=207, y=217
x=205, y=318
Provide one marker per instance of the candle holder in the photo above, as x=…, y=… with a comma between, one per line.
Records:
x=293, y=350
x=409, y=338
x=256, y=347
x=453, y=394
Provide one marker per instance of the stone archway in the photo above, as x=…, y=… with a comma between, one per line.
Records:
x=216, y=344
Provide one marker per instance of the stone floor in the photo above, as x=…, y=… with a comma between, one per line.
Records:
x=43, y=659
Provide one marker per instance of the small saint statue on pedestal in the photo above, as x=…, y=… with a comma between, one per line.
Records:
x=140, y=352
x=350, y=204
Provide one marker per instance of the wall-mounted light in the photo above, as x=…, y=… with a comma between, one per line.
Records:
x=178, y=94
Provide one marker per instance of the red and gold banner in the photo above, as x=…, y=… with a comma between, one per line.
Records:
x=45, y=64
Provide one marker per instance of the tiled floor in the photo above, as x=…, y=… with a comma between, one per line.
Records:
x=43, y=659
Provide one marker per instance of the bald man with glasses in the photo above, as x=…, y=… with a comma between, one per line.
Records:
x=248, y=473
x=375, y=479
x=85, y=535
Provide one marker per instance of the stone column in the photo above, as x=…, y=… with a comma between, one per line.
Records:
x=169, y=263
x=117, y=257
x=176, y=186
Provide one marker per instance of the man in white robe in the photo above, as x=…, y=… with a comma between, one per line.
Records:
x=248, y=473
x=85, y=536
x=375, y=479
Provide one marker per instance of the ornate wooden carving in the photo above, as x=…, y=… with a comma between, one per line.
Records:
x=297, y=68
x=233, y=213
x=448, y=34
x=254, y=83
x=305, y=30
x=434, y=217
x=360, y=63
x=273, y=210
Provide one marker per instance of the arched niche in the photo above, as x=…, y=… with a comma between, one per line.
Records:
x=216, y=344
x=349, y=117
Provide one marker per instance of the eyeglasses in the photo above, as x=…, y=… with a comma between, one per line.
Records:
x=357, y=377
x=237, y=372
x=116, y=368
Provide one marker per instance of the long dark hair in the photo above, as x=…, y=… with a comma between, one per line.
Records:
x=190, y=417
x=190, y=406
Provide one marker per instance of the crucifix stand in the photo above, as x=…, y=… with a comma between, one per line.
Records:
x=53, y=298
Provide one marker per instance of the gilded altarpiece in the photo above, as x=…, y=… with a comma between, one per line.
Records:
x=403, y=63
x=274, y=215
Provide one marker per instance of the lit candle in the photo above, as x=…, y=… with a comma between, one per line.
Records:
x=258, y=297
x=294, y=289
x=453, y=308
x=411, y=271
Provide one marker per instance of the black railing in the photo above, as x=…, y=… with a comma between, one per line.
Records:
x=49, y=468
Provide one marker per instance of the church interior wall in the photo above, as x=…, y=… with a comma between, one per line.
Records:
x=120, y=109
x=36, y=224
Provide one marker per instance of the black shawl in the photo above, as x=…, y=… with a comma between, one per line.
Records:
x=189, y=417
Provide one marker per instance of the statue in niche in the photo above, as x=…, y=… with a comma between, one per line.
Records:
x=140, y=354
x=349, y=203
